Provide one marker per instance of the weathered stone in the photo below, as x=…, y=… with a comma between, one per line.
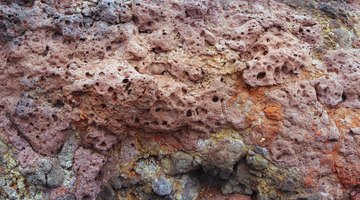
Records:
x=179, y=99
x=56, y=176
x=257, y=162
x=220, y=157
x=106, y=193
x=182, y=162
x=116, y=183
x=162, y=186
x=67, y=152
x=189, y=189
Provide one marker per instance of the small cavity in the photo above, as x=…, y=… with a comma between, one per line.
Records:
x=110, y=89
x=261, y=75
x=54, y=117
x=188, y=113
x=215, y=99
x=137, y=120
x=88, y=75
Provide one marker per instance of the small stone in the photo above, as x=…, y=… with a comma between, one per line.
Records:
x=231, y=186
x=3, y=147
x=106, y=193
x=190, y=188
x=261, y=150
x=182, y=162
x=257, y=162
x=56, y=176
x=162, y=186
x=116, y=183
x=11, y=192
x=166, y=165
x=40, y=177
x=44, y=164
x=66, y=154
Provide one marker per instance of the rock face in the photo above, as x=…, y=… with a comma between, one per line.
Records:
x=179, y=99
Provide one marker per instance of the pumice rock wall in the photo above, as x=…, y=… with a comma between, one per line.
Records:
x=180, y=99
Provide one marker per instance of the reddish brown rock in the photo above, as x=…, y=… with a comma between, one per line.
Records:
x=179, y=99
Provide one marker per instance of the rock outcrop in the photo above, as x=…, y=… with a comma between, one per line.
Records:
x=179, y=99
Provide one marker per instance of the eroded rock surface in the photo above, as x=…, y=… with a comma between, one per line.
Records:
x=179, y=99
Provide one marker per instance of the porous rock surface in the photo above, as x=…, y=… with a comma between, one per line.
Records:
x=179, y=99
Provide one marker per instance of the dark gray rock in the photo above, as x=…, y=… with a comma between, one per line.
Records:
x=328, y=10
x=106, y=193
x=116, y=183
x=113, y=12
x=12, y=23
x=48, y=173
x=25, y=106
x=109, y=11
x=56, y=176
x=261, y=150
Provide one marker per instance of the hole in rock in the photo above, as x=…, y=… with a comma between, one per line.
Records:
x=114, y=96
x=59, y=104
x=54, y=117
x=137, y=120
x=110, y=89
x=215, y=99
x=343, y=97
x=285, y=69
x=46, y=51
x=261, y=75
x=86, y=197
x=188, y=113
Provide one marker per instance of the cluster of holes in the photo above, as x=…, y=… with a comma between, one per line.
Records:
x=189, y=113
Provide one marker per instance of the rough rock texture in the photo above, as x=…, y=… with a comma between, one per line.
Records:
x=180, y=99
